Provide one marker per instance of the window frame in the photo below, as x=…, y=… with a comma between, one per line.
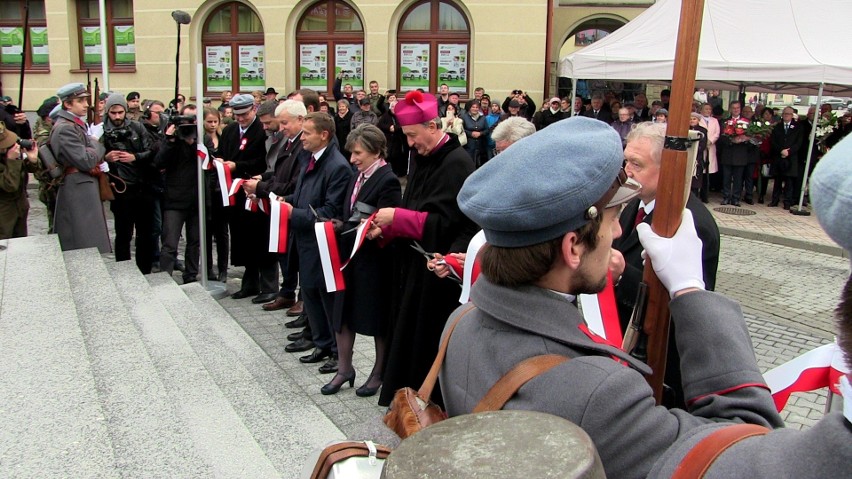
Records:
x=330, y=38
x=434, y=37
x=111, y=23
x=232, y=38
x=28, y=57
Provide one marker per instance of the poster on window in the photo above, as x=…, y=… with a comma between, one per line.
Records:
x=251, y=67
x=125, y=44
x=312, y=67
x=349, y=60
x=91, y=45
x=218, y=61
x=414, y=66
x=452, y=66
x=38, y=40
x=12, y=41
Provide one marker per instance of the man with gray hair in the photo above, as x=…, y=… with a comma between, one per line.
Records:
x=642, y=156
x=509, y=131
x=599, y=111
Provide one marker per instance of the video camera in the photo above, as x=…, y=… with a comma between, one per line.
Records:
x=185, y=125
x=118, y=139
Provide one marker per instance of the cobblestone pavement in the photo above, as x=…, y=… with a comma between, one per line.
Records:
x=788, y=296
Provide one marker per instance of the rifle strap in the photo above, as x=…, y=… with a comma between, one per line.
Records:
x=701, y=457
x=425, y=391
x=511, y=382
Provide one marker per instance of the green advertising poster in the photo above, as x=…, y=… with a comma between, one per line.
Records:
x=452, y=66
x=219, y=68
x=414, y=66
x=38, y=40
x=91, y=45
x=125, y=44
x=312, y=67
x=11, y=45
x=251, y=67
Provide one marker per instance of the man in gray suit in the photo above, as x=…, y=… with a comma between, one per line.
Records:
x=549, y=224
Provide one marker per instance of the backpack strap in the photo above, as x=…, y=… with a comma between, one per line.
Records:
x=701, y=457
x=512, y=381
x=425, y=391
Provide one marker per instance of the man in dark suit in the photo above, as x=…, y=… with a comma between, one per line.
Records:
x=642, y=155
x=243, y=149
x=598, y=111
x=322, y=186
x=785, y=142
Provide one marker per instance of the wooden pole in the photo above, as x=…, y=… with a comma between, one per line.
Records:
x=673, y=188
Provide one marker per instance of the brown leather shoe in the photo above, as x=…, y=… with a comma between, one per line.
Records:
x=296, y=309
x=279, y=303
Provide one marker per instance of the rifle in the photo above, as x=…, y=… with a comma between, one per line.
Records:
x=673, y=185
x=89, y=115
x=92, y=113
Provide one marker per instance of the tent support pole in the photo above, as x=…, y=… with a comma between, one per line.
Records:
x=573, y=92
x=799, y=210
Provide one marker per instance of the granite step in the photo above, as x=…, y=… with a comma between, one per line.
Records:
x=306, y=426
x=281, y=434
x=217, y=431
x=52, y=417
x=147, y=435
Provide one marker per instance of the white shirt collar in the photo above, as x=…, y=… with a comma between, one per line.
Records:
x=317, y=155
x=569, y=297
x=649, y=207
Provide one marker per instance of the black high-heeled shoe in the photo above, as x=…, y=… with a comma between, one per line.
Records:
x=365, y=391
x=332, y=388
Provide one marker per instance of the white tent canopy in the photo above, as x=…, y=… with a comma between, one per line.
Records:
x=762, y=45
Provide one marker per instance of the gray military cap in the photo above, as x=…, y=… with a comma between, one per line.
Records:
x=831, y=192
x=548, y=184
x=242, y=103
x=72, y=90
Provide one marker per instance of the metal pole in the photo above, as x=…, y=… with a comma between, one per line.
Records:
x=24, y=54
x=799, y=208
x=104, y=50
x=177, y=81
x=573, y=91
x=202, y=216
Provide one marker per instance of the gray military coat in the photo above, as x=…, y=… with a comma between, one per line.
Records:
x=79, y=221
x=609, y=400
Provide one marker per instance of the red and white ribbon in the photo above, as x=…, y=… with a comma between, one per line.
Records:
x=329, y=256
x=257, y=204
x=822, y=367
x=601, y=314
x=279, y=218
x=360, y=237
x=471, y=265
x=235, y=186
x=222, y=174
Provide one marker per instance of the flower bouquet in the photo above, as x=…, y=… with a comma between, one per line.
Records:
x=742, y=130
x=757, y=131
x=825, y=127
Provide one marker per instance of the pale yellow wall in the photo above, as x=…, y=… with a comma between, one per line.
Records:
x=507, y=48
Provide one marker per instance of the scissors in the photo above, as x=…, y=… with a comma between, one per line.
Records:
x=416, y=246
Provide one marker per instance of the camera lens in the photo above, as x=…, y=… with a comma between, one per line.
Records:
x=25, y=144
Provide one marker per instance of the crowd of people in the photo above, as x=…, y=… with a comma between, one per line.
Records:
x=428, y=172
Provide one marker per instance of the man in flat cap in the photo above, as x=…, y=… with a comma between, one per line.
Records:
x=79, y=221
x=825, y=450
x=243, y=150
x=549, y=230
x=430, y=216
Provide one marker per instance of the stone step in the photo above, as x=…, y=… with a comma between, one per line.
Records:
x=147, y=435
x=307, y=427
x=275, y=428
x=51, y=415
x=218, y=433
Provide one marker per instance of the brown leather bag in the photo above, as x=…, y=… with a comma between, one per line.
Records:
x=105, y=188
x=701, y=457
x=410, y=411
x=337, y=453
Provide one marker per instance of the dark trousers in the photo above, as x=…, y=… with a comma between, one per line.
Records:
x=261, y=275
x=748, y=181
x=788, y=188
x=319, y=305
x=217, y=227
x=134, y=209
x=732, y=182
x=173, y=223
x=289, y=265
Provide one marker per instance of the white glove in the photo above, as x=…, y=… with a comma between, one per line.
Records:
x=104, y=167
x=676, y=260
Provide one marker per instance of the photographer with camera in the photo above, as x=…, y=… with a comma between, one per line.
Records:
x=17, y=158
x=520, y=100
x=128, y=152
x=177, y=158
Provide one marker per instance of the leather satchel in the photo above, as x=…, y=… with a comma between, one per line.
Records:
x=410, y=410
x=350, y=460
x=105, y=188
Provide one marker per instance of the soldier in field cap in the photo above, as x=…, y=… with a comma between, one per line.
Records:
x=429, y=215
x=79, y=221
x=549, y=208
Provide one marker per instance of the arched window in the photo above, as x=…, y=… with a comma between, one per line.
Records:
x=434, y=47
x=233, y=50
x=330, y=39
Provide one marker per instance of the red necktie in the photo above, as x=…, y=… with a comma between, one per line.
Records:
x=311, y=164
x=640, y=215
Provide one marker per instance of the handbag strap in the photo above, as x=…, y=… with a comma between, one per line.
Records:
x=425, y=391
x=699, y=459
x=342, y=451
x=512, y=381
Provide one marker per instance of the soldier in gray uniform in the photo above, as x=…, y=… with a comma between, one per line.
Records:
x=549, y=207
x=80, y=221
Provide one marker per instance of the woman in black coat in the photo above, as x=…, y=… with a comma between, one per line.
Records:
x=363, y=308
x=342, y=126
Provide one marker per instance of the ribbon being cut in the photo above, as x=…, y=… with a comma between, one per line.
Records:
x=222, y=174
x=279, y=217
x=822, y=367
x=329, y=256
